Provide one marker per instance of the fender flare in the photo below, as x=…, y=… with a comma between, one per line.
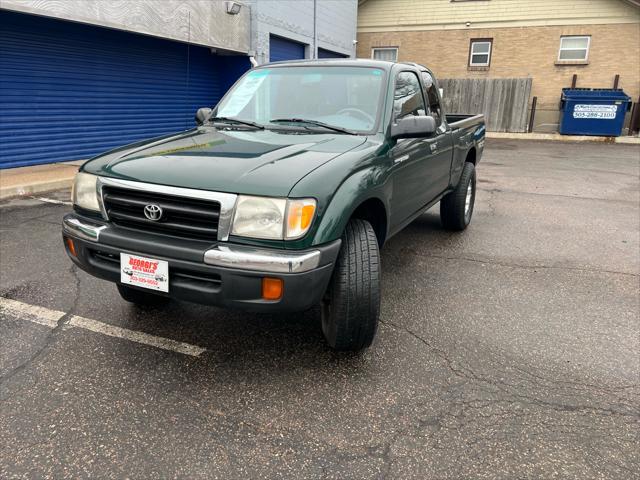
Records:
x=363, y=185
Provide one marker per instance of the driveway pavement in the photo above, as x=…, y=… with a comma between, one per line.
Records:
x=508, y=351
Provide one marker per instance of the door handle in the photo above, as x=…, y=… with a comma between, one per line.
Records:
x=433, y=146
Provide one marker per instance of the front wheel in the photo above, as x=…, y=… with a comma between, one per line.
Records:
x=456, y=207
x=351, y=306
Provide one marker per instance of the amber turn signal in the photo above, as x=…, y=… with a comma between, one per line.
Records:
x=71, y=246
x=299, y=217
x=272, y=288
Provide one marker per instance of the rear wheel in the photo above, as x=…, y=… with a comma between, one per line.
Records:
x=351, y=306
x=140, y=297
x=456, y=208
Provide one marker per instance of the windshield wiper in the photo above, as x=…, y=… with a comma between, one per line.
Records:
x=314, y=122
x=237, y=121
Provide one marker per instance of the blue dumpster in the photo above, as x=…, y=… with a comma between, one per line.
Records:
x=592, y=111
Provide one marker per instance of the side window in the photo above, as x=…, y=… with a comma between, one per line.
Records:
x=432, y=97
x=480, y=52
x=407, y=97
x=390, y=54
x=574, y=48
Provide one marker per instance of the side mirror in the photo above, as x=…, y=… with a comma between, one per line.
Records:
x=413, y=127
x=201, y=115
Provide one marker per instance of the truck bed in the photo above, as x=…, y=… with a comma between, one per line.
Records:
x=461, y=120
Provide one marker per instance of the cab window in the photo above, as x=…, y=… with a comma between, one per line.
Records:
x=407, y=97
x=432, y=97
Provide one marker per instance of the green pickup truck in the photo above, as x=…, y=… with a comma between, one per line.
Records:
x=282, y=195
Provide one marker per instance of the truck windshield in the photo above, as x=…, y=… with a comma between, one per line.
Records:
x=344, y=97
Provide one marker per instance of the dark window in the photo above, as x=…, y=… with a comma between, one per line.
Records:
x=407, y=98
x=431, y=94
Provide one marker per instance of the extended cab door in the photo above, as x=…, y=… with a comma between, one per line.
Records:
x=441, y=144
x=416, y=168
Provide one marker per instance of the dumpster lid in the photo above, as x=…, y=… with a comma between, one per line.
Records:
x=601, y=94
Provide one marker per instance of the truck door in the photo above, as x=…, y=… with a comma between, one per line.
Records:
x=409, y=155
x=441, y=144
x=415, y=174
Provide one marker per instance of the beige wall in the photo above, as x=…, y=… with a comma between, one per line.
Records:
x=522, y=52
x=396, y=15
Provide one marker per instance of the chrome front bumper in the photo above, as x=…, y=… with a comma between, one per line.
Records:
x=227, y=256
x=259, y=259
x=81, y=228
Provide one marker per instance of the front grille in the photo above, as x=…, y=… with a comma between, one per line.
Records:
x=181, y=216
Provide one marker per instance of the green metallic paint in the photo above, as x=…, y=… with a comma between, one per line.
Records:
x=251, y=162
x=363, y=185
x=340, y=186
x=339, y=171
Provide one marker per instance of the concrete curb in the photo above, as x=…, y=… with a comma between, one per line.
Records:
x=36, y=187
x=563, y=138
x=20, y=181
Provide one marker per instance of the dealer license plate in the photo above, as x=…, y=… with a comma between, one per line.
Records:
x=144, y=272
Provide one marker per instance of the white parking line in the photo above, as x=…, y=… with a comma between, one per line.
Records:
x=40, y=315
x=50, y=318
x=134, y=336
x=51, y=200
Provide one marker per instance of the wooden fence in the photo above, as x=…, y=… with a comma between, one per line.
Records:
x=503, y=101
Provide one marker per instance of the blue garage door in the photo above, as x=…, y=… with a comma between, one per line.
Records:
x=322, y=53
x=282, y=49
x=69, y=91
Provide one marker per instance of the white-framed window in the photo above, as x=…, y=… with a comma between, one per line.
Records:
x=389, y=54
x=574, y=48
x=480, y=52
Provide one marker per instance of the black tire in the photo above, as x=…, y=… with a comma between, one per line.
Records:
x=453, y=212
x=140, y=297
x=351, y=306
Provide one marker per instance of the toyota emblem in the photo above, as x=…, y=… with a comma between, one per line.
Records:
x=153, y=212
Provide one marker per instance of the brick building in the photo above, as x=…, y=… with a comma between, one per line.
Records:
x=547, y=40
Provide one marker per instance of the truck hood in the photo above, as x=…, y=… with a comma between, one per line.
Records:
x=262, y=162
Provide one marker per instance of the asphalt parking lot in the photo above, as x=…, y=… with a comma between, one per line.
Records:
x=509, y=351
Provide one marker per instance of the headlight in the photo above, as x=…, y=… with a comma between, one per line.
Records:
x=85, y=193
x=272, y=218
x=259, y=217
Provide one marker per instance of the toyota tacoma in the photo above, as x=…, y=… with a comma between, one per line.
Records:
x=282, y=195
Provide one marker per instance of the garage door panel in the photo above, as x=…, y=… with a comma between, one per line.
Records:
x=324, y=53
x=281, y=49
x=70, y=91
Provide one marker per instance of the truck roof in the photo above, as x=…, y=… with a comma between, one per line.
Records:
x=347, y=62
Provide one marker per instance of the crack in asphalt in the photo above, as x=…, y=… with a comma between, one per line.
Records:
x=626, y=410
x=513, y=265
x=573, y=197
x=458, y=411
x=51, y=336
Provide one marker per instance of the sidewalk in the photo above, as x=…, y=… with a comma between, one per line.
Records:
x=37, y=179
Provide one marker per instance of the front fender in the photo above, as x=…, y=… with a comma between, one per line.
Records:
x=369, y=183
